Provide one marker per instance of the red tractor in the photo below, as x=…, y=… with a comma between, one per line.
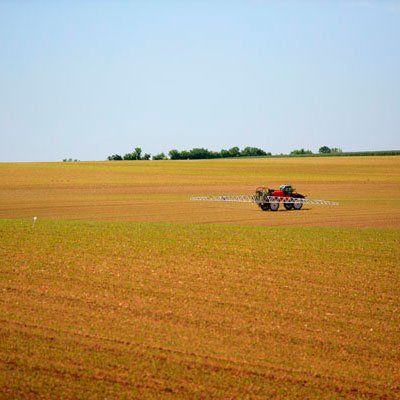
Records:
x=269, y=199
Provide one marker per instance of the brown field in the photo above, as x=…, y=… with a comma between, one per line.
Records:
x=368, y=189
x=125, y=289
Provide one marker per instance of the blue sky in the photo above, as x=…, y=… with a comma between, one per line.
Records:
x=85, y=79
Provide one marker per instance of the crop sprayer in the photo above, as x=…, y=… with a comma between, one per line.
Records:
x=270, y=199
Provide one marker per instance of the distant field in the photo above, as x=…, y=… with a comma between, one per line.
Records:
x=368, y=189
x=126, y=289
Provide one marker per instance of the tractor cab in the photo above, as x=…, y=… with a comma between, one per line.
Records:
x=269, y=199
x=287, y=189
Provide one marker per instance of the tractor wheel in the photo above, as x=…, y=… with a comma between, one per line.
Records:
x=297, y=205
x=264, y=206
x=288, y=206
x=274, y=205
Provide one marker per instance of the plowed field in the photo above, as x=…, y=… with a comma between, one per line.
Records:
x=125, y=289
x=368, y=189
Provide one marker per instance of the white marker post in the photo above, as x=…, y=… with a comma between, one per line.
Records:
x=34, y=220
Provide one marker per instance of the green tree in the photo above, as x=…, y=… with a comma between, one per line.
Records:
x=160, y=156
x=199, y=153
x=300, y=152
x=324, y=150
x=138, y=153
x=146, y=156
x=185, y=155
x=174, y=155
x=135, y=155
x=130, y=156
x=215, y=154
x=252, y=152
x=224, y=153
x=114, y=157
x=234, y=152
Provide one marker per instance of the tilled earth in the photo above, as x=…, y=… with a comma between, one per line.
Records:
x=195, y=301
x=368, y=189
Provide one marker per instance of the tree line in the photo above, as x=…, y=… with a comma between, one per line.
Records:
x=193, y=154
x=322, y=150
x=202, y=153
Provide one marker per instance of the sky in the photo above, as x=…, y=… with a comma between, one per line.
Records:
x=86, y=79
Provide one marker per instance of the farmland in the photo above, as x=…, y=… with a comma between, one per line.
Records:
x=126, y=289
x=368, y=189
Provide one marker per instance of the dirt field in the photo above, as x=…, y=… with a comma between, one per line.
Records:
x=152, y=296
x=368, y=189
